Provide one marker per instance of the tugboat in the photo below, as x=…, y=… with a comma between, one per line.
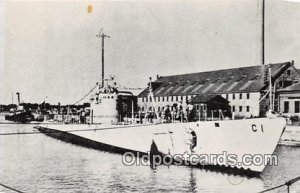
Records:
x=19, y=115
x=256, y=136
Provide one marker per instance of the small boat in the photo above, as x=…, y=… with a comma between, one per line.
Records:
x=19, y=115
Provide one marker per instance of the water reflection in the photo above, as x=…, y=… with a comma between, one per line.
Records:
x=193, y=182
x=204, y=180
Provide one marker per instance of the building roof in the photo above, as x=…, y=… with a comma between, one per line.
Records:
x=294, y=87
x=207, y=98
x=234, y=80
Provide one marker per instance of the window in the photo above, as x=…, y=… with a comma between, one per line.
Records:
x=142, y=99
x=158, y=99
x=254, y=77
x=216, y=80
x=181, y=98
x=228, y=78
x=286, y=106
x=171, y=98
x=288, y=72
x=241, y=77
x=297, y=106
x=233, y=108
x=176, y=98
x=233, y=96
x=248, y=108
x=240, y=108
x=167, y=99
x=163, y=99
x=248, y=95
x=227, y=96
x=241, y=95
x=146, y=99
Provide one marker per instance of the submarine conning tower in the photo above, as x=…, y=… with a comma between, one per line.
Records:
x=104, y=105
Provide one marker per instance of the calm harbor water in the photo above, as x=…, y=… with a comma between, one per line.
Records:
x=37, y=163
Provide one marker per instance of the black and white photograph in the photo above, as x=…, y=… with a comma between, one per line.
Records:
x=197, y=96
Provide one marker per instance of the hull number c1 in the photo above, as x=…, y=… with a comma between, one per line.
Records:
x=255, y=129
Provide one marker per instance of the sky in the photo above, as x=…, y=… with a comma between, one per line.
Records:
x=49, y=49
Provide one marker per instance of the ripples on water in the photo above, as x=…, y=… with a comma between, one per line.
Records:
x=37, y=163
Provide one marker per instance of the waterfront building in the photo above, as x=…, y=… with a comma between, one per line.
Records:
x=244, y=88
x=289, y=98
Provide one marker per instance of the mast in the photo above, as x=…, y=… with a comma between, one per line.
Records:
x=102, y=36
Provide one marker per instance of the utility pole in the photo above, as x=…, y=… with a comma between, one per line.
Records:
x=102, y=36
x=263, y=33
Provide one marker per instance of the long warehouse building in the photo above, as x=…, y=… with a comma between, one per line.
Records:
x=244, y=88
